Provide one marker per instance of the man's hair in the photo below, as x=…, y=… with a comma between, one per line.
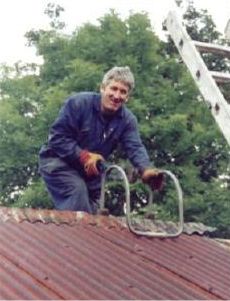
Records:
x=122, y=74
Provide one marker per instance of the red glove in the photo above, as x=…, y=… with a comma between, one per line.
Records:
x=154, y=178
x=89, y=162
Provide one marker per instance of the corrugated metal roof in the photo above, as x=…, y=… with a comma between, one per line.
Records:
x=77, y=256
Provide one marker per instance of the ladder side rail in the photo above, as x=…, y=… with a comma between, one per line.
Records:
x=200, y=73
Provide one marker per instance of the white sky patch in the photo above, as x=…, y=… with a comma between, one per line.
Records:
x=18, y=17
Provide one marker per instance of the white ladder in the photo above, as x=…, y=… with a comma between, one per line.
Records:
x=206, y=80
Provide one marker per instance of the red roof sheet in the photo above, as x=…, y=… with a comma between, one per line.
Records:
x=78, y=256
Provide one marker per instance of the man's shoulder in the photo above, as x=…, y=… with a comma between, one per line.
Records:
x=128, y=114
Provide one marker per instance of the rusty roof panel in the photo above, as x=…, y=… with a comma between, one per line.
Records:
x=96, y=259
x=196, y=259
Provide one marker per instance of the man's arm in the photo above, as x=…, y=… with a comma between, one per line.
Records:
x=64, y=136
x=139, y=157
x=63, y=132
x=133, y=146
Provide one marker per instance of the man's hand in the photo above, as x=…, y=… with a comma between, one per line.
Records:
x=89, y=161
x=153, y=177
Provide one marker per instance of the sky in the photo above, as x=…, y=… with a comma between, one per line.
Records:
x=19, y=16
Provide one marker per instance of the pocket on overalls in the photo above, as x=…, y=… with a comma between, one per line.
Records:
x=50, y=165
x=84, y=137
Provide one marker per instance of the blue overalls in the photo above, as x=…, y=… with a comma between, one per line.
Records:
x=80, y=125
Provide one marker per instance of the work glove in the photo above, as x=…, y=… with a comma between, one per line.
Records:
x=153, y=177
x=89, y=162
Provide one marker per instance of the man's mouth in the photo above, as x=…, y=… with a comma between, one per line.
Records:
x=116, y=101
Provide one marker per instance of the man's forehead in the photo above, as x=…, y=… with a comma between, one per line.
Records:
x=120, y=84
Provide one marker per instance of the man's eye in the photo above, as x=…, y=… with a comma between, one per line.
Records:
x=123, y=92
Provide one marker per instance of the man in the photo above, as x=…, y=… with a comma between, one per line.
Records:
x=87, y=130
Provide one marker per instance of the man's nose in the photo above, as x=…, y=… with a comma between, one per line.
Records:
x=117, y=94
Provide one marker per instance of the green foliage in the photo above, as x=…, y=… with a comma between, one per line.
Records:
x=34, y=196
x=82, y=75
x=176, y=127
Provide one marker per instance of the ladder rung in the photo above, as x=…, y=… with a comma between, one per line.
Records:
x=212, y=48
x=220, y=77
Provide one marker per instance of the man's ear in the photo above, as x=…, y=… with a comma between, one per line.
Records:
x=102, y=88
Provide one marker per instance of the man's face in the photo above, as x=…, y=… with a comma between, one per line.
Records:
x=113, y=96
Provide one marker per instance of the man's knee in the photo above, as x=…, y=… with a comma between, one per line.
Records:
x=68, y=190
